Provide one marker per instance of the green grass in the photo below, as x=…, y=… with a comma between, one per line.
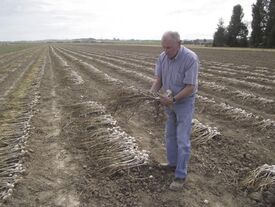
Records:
x=133, y=42
x=231, y=48
x=158, y=44
x=7, y=48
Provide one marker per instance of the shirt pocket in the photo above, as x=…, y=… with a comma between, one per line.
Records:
x=179, y=78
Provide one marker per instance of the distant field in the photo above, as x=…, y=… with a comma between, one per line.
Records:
x=71, y=128
x=13, y=47
x=233, y=48
x=157, y=43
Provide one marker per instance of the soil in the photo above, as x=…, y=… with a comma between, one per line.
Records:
x=61, y=169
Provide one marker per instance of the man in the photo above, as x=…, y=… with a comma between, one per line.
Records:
x=177, y=71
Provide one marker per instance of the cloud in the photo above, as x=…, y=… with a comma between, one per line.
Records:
x=30, y=19
x=143, y=19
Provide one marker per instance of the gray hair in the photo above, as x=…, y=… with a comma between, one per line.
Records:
x=173, y=35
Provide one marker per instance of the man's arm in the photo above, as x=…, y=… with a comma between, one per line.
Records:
x=187, y=91
x=156, y=85
x=190, y=79
x=167, y=101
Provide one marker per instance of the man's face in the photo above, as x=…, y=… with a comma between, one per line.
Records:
x=170, y=47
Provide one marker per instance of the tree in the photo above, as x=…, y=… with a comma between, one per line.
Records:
x=237, y=31
x=219, y=36
x=242, y=36
x=259, y=23
x=270, y=28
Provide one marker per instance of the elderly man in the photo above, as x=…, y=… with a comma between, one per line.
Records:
x=176, y=72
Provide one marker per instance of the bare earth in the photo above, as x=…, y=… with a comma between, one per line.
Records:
x=49, y=97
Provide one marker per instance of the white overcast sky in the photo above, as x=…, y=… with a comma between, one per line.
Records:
x=124, y=19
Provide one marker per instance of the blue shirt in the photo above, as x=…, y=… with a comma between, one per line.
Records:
x=177, y=72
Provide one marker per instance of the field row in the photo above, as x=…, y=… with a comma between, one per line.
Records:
x=95, y=102
x=231, y=122
x=148, y=80
x=149, y=72
x=18, y=107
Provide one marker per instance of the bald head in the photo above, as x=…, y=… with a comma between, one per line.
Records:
x=173, y=36
x=171, y=43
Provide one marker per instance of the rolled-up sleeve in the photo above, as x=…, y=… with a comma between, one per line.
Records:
x=158, y=68
x=191, y=73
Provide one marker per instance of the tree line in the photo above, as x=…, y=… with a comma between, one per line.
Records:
x=236, y=33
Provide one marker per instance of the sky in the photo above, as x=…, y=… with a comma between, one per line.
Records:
x=107, y=19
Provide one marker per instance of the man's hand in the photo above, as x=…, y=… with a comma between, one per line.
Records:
x=165, y=100
x=156, y=85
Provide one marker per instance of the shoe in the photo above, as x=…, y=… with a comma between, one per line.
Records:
x=166, y=166
x=177, y=184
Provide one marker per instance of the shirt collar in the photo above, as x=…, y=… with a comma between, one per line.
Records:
x=177, y=55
